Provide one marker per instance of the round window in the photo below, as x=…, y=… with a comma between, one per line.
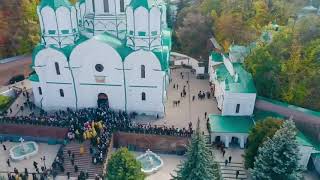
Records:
x=99, y=67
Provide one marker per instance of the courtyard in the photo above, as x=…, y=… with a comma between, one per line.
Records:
x=189, y=110
x=45, y=150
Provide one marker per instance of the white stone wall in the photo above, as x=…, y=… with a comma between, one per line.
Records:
x=226, y=138
x=305, y=154
x=83, y=61
x=153, y=85
x=99, y=21
x=143, y=21
x=35, y=90
x=246, y=101
x=120, y=81
x=51, y=82
x=58, y=27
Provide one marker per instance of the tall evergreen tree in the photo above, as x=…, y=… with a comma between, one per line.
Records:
x=258, y=134
x=200, y=163
x=278, y=157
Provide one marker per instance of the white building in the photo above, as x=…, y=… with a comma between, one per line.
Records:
x=233, y=86
x=234, y=130
x=102, y=52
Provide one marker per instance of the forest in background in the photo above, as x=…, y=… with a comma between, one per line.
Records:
x=287, y=69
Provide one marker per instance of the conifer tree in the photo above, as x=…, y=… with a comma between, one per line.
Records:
x=200, y=163
x=278, y=157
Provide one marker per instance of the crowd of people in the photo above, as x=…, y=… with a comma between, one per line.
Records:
x=96, y=125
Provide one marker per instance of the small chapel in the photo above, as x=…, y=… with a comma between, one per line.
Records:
x=111, y=53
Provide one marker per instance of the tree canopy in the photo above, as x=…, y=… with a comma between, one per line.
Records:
x=287, y=68
x=257, y=135
x=124, y=166
x=20, y=30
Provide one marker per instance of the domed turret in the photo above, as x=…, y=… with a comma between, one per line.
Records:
x=98, y=16
x=58, y=22
x=144, y=24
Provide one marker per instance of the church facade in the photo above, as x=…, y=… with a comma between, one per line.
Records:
x=102, y=52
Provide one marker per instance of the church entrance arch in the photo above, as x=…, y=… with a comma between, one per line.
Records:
x=103, y=100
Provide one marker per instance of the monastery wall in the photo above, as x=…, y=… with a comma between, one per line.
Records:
x=156, y=143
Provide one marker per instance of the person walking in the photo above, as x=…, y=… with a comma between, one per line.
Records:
x=230, y=159
x=4, y=147
x=69, y=152
x=75, y=168
x=237, y=174
x=68, y=175
x=205, y=115
x=8, y=163
x=226, y=162
x=223, y=152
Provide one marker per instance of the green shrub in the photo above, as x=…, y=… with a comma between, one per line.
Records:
x=124, y=166
x=4, y=101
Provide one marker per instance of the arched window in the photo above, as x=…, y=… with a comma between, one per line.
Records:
x=40, y=90
x=93, y=6
x=143, y=71
x=121, y=5
x=61, y=93
x=106, y=5
x=143, y=96
x=57, y=68
x=238, y=108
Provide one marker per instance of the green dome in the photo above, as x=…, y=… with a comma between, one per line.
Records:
x=148, y=4
x=54, y=4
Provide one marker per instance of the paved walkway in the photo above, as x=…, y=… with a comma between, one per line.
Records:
x=180, y=116
x=49, y=151
x=11, y=69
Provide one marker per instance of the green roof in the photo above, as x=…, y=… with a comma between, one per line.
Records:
x=239, y=52
x=266, y=36
x=118, y=45
x=244, y=83
x=65, y=50
x=34, y=77
x=166, y=37
x=163, y=55
x=216, y=56
x=243, y=124
x=148, y=4
x=35, y=51
x=303, y=140
x=54, y=4
x=289, y=106
x=238, y=48
x=230, y=124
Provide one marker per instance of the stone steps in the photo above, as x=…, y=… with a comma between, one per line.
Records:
x=84, y=162
x=229, y=172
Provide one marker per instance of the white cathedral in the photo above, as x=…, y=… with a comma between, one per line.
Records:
x=102, y=52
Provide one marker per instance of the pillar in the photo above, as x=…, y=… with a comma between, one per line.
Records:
x=226, y=141
x=242, y=142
